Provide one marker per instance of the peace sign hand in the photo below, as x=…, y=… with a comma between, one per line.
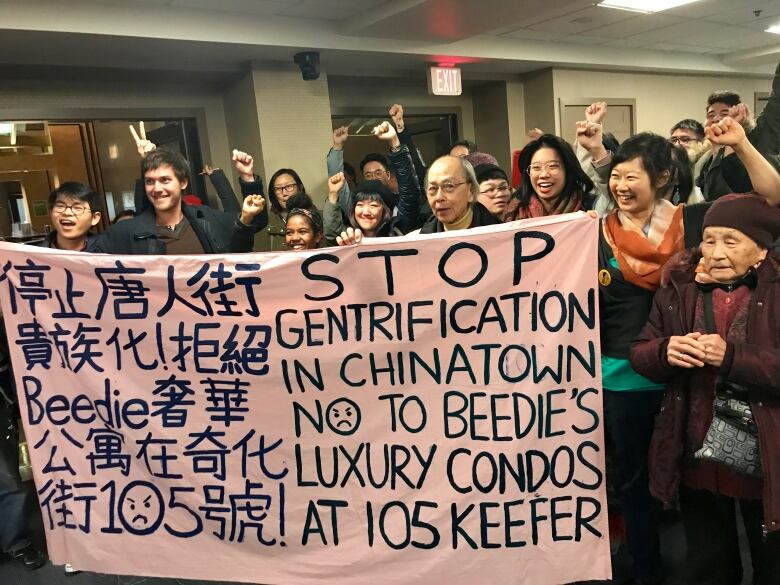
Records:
x=143, y=145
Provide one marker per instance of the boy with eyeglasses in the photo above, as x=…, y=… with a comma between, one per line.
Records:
x=74, y=210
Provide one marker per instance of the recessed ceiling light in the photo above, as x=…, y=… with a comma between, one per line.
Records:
x=774, y=29
x=644, y=5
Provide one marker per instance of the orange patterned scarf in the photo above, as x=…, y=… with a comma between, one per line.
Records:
x=641, y=258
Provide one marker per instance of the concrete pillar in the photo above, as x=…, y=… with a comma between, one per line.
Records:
x=295, y=125
x=491, y=127
x=539, y=99
x=499, y=121
x=284, y=122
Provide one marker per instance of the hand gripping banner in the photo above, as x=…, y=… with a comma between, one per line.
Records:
x=409, y=410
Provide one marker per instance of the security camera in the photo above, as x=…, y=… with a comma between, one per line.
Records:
x=309, y=64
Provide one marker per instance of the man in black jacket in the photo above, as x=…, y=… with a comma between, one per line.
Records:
x=720, y=172
x=170, y=226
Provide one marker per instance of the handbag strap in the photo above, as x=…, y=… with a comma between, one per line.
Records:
x=709, y=314
x=723, y=389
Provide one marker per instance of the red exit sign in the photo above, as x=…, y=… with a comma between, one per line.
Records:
x=444, y=81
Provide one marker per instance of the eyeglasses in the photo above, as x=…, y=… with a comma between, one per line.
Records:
x=76, y=208
x=492, y=191
x=374, y=175
x=447, y=187
x=551, y=167
x=288, y=188
x=682, y=140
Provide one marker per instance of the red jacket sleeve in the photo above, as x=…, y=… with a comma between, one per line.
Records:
x=756, y=365
x=516, y=175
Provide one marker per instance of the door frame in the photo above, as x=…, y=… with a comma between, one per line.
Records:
x=563, y=103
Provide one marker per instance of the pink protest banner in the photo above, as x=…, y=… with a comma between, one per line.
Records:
x=410, y=410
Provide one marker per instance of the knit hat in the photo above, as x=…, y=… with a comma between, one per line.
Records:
x=485, y=172
x=375, y=188
x=481, y=158
x=748, y=213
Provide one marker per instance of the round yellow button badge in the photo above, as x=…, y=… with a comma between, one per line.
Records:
x=605, y=279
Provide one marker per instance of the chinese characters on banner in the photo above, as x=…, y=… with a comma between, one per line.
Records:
x=412, y=410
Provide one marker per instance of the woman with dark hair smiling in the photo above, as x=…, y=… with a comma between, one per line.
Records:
x=552, y=181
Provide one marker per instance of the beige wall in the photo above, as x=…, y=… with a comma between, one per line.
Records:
x=491, y=121
x=661, y=100
x=364, y=95
x=243, y=127
x=294, y=124
x=538, y=99
x=515, y=102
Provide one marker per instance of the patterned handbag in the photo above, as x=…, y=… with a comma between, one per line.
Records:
x=732, y=438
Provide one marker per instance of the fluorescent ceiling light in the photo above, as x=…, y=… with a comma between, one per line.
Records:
x=644, y=5
x=774, y=29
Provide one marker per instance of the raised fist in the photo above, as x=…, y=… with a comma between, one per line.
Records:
x=252, y=206
x=385, y=131
x=245, y=165
x=142, y=145
x=595, y=112
x=589, y=135
x=727, y=132
x=396, y=112
x=534, y=134
x=739, y=113
x=340, y=136
x=336, y=183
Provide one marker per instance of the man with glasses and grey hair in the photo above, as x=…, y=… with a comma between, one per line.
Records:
x=452, y=190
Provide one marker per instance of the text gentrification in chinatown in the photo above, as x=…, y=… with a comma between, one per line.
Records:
x=410, y=410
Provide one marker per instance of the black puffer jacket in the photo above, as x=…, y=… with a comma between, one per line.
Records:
x=726, y=174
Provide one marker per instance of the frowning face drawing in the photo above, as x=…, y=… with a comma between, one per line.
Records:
x=343, y=416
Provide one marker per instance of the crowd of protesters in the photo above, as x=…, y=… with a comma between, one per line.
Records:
x=688, y=281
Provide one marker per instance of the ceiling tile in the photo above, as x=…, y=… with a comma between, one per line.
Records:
x=636, y=25
x=626, y=44
x=752, y=40
x=257, y=7
x=761, y=24
x=533, y=35
x=330, y=9
x=702, y=8
x=679, y=48
x=583, y=20
x=583, y=40
x=689, y=29
x=743, y=13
